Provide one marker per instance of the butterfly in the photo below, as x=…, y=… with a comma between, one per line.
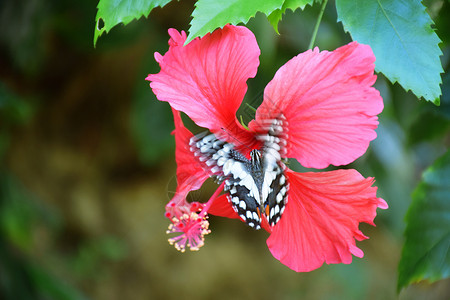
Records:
x=255, y=185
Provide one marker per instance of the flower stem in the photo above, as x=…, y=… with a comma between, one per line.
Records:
x=251, y=107
x=242, y=123
x=316, y=28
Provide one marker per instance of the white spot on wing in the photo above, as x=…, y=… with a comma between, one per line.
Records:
x=269, y=177
x=276, y=209
x=279, y=197
x=242, y=204
x=204, y=148
x=208, y=138
x=227, y=167
x=227, y=147
x=221, y=161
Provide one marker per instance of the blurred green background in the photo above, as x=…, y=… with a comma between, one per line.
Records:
x=87, y=165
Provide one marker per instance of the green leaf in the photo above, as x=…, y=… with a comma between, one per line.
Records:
x=426, y=253
x=211, y=14
x=402, y=39
x=276, y=16
x=113, y=12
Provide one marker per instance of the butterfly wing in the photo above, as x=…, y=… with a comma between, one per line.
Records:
x=243, y=191
x=212, y=153
x=277, y=197
x=224, y=163
x=275, y=186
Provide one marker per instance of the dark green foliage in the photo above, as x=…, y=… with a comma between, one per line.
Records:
x=426, y=252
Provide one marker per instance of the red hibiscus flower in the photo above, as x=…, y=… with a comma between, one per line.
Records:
x=319, y=108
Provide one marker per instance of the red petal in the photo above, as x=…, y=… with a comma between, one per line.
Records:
x=320, y=223
x=190, y=174
x=206, y=79
x=328, y=102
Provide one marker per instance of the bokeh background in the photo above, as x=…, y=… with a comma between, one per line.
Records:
x=87, y=165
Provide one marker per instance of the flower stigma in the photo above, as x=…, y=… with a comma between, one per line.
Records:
x=192, y=228
x=190, y=221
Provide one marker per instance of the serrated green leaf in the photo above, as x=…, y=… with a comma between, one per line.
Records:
x=113, y=12
x=426, y=253
x=401, y=37
x=276, y=16
x=211, y=14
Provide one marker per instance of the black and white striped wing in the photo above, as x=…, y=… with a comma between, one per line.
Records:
x=212, y=153
x=275, y=186
x=277, y=195
x=224, y=163
x=243, y=191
